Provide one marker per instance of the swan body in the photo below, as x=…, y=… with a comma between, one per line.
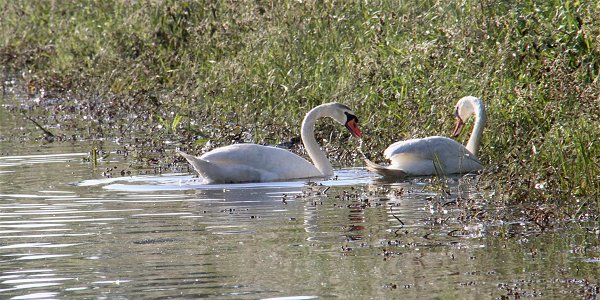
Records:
x=437, y=155
x=251, y=163
x=257, y=163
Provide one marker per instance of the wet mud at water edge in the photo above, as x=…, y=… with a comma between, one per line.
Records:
x=77, y=226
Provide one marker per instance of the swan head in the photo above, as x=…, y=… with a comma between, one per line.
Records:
x=345, y=116
x=465, y=107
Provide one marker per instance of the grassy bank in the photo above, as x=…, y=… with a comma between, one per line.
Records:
x=247, y=71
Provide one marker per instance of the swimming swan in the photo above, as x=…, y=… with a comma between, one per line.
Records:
x=257, y=163
x=437, y=154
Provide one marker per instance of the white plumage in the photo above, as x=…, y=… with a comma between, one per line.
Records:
x=437, y=155
x=251, y=163
x=257, y=163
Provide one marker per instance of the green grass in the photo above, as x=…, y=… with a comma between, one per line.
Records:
x=249, y=70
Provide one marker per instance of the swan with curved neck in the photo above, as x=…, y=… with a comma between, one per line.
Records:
x=436, y=155
x=257, y=163
x=466, y=107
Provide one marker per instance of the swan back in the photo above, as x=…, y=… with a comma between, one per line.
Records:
x=251, y=163
x=431, y=155
x=437, y=154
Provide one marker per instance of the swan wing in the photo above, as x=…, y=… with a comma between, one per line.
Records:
x=252, y=163
x=431, y=155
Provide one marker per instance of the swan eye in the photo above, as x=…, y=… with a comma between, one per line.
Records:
x=350, y=117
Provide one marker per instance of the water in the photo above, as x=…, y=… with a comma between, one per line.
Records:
x=71, y=229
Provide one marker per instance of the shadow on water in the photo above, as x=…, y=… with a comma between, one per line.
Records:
x=68, y=232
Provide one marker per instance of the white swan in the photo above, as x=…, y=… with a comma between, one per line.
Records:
x=257, y=163
x=437, y=154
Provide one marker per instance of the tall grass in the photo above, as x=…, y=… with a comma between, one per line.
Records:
x=249, y=70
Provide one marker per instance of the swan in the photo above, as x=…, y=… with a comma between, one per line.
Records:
x=437, y=154
x=257, y=163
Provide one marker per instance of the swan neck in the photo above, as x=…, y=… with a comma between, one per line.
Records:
x=313, y=149
x=480, y=119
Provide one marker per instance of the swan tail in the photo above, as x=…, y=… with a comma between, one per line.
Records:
x=204, y=168
x=384, y=171
x=222, y=172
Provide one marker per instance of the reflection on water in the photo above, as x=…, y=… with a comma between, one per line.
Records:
x=67, y=232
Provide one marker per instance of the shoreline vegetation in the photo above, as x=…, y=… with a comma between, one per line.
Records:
x=207, y=73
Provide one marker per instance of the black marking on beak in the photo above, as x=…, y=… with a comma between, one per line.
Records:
x=352, y=125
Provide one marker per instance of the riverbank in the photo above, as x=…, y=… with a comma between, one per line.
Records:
x=190, y=72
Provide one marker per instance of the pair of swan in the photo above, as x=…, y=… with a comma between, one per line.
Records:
x=414, y=157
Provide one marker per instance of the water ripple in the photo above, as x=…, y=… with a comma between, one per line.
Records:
x=179, y=181
x=67, y=233
x=37, y=245
x=45, y=295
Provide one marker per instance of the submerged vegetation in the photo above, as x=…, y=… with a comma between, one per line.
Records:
x=191, y=72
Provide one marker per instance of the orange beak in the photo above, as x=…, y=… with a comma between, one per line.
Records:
x=352, y=126
x=458, y=127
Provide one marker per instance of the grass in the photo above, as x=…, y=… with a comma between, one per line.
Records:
x=247, y=71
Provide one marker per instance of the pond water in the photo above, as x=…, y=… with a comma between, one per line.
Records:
x=70, y=228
